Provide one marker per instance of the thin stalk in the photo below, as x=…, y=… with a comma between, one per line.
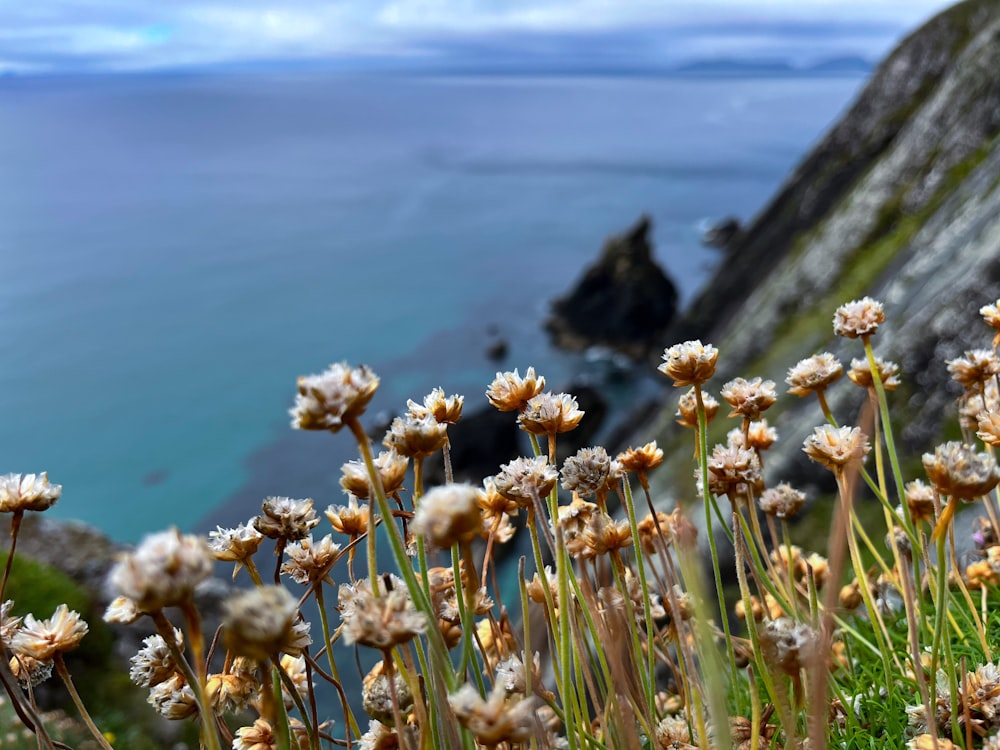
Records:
x=640, y=565
x=282, y=729
x=293, y=693
x=468, y=628
x=15, y=526
x=78, y=702
x=328, y=646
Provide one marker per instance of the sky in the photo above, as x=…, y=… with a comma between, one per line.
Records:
x=45, y=36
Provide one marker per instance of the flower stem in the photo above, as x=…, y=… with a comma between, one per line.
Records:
x=84, y=714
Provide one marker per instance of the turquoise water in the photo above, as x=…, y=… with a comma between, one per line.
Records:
x=174, y=251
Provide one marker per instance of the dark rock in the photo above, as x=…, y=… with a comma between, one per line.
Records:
x=723, y=234
x=624, y=301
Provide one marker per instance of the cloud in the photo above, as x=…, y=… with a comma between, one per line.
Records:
x=84, y=35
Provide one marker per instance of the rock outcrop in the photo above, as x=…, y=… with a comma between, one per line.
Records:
x=900, y=201
x=624, y=301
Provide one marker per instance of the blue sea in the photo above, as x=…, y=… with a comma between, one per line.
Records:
x=175, y=250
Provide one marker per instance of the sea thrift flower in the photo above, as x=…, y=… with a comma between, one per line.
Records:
x=382, y=622
x=672, y=733
x=496, y=719
x=449, y=515
x=122, y=611
x=861, y=374
x=835, y=447
x=643, y=459
x=510, y=392
x=991, y=315
x=350, y=519
x=989, y=427
x=760, y=435
x=586, y=473
x=690, y=363
x=600, y=535
x=261, y=622
x=236, y=545
x=858, y=318
x=233, y=692
x=510, y=674
x=154, y=663
x=30, y=671
x=334, y=397
x=391, y=468
x=788, y=645
x=729, y=467
x=814, y=374
x=416, y=437
x=550, y=413
x=957, y=470
x=974, y=368
x=309, y=561
x=687, y=408
x=782, y=501
x=445, y=409
x=377, y=695
x=284, y=518
x=259, y=736
x=43, y=639
x=526, y=479
x=920, y=500
x=163, y=570
x=173, y=699
x=295, y=668
x=21, y=492
x=749, y=397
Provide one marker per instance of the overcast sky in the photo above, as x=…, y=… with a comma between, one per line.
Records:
x=89, y=35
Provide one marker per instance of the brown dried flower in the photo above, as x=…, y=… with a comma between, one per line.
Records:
x=449, y=515
x=989, y=427
x=261, y=622
x=689, y=363
x=526, y=479
x=642, y=459
x=586, y=473
x=416, y=437
x=749, y=397
x=974, y=368
x=173, y=699
x=337, y=395
x=444, y=409
x=154, y=663
x=495, y=720
x=43, y=639
x=861, y=373
x=550, y=413
x=309, y=561
x=163, y=570
x=510, y=392
x=836, y=447
x=788, y=645
x=814, y=374
x=350, y=519
x=687, y=408
x=782, y=501
x=30, y=671
x=21, y=492
x=377, y=697
x=379, y=622
x=920, y=500
x=729, y=467
x=957, y=470
x=284, y=518
x=858, y=318
x=391, y=468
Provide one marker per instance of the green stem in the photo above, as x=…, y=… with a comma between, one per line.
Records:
x=328, y=647
x=78, y=702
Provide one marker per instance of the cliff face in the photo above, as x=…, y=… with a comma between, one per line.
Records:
x=900, y=201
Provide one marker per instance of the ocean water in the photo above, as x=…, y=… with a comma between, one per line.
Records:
x=175, y=250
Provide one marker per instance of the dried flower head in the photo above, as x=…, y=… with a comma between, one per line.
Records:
x=690, y=363
x=154, y=663
x=586, y=473
x=836, y=447
x=974, y=368
x=309, y=561
x=788, y=645
x=235, y=545
x=957, y=470
x=861, y=373
x=510, y=392
x=782, y=501
x=858, y=318
x=9, y=624
x=259, y=736
x=511, y=676
x=334, y=397
x=391, y=468
x=377, y=697
x=600, y=535
x=416, y=437
x=449, y=515
x=673, y=733
x=550, y=413
x=814, y=374
x=729, y=467
x=642, y=459
x=526, y=479
x=284, y=518
x=261, y=622
x=233, y=692
x=687, y=408
x=989, y=427
x=21, y=492
x=163, y=570
x=920, y=500
x=379, y=622
x=173, y=699
x=43, y=639
x=760, y=435
x=445, y=409
x=294, y=668
x=749, y=397
x=350, y=519
x=30, y=671
x=495, y=720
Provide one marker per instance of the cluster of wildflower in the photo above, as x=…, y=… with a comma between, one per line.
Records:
x=607, y=639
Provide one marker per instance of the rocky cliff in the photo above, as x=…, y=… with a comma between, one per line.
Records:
x=900, y=201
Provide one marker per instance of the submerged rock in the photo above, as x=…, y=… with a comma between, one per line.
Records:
x=624, y=301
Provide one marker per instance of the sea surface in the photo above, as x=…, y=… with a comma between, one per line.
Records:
x=175, y=250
